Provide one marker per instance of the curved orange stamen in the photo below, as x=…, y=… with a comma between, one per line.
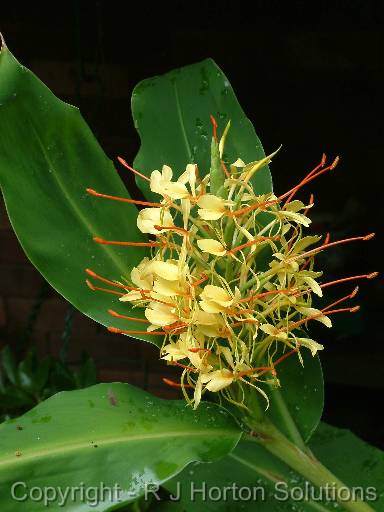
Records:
x=310, y=204
x=174, y=384
x=124, y=317
x=94, y=288
x=311, y=176
x=196, y=283
x=123, y=162
x=116, y=330
x=264, y=294
x=331, y=244
x=248, y=209
x=189, y=368
x=252, y=242
x=372, y=275
x=112, y=283
x=172, y=228
x=121, y=199
x=343, y=299
x=133, y=244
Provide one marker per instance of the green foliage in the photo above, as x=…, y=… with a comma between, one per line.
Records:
x=26, y=383
x=171, y=114
x=250, y=465
x=48, y=157
x=110, y=433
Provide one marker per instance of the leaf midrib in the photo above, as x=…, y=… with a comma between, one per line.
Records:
x=89, y=226
x=108, y=442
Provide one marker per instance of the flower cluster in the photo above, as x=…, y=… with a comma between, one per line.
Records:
x=231, y=278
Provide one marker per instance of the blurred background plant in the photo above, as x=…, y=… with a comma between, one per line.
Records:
x=27, y=378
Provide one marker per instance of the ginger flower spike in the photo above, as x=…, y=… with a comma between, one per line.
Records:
x=230, y=294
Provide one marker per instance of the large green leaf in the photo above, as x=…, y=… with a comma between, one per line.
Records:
x=172, y=115
x=107, y=434
x=250, y=466
x=48, y=157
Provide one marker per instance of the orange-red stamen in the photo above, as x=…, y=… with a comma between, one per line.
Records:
x=372, y=275
x=214, y=126
x=264, y=369
x=123, y=162
x=124, y=317
x=94, y=288
x=174, y=384
x=310, y=204
x=325, y=313
x=343, y=299
x=331, y=244
x=196, y=283
x=121, y=199
x=311, y=176
x=189, y=368
x=112, y=283
x=123, y=331
x=248, y=209
x=224, y=167
x=245, y=321
x=172, y=228
x=252, y=242
x=134, y=244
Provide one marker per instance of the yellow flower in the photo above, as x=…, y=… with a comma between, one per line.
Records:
x=215, y=299
x=164, y=269
x=273, y=331
x=161, y=183
x=148, y=218
x=211, y=246
x=217, y=380
x=160, y=314
x=208, y=324
x=211, y=207
x=313, y=346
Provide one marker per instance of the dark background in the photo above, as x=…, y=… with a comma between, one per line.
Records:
x=310, y=78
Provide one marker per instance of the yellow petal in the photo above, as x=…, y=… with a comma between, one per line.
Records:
x=150, y=217
x=140, y=277
x=311, y=344
x=174, y=190
x=313, y=285
x=209, y=214
x=218, y=379
x=312, y=312
x=216, y=294
x=130, y=296
x=211, y=307
x=211, y=202
x=160, y=318
x=166, y=270
x=166, y=287
x=211, y=246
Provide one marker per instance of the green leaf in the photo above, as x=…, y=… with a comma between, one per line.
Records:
x=171, y=113
x=300, y=400
x=250, y=466
x=48, y=157
x=110, y=434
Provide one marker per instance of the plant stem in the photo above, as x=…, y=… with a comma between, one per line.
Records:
x=301, y=461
